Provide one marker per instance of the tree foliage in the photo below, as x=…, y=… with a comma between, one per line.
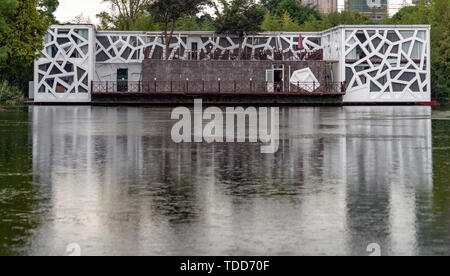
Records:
x=48, y=8
x=187, y=23
x=10, y=95
x=297, y=11
x=168, y=12
x=205, y=23
x=240, y=18
x=334, y=19
x=271, y=23
x=20, y=40
x=7, y=8
x=270, y=5
x=275, y=23
x=123, y=14
x=148, y=21
x=287, y=24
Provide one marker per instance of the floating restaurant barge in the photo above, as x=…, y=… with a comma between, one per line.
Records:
x=346, y=64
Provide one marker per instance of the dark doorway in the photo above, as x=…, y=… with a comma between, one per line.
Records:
x=194, y=49
x=278, y=80
x=122, y=80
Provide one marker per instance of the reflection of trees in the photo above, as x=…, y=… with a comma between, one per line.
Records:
x=104, y=166
x=435, y=235
x=304, y=156
x=174, y=187
x=145, y=162
x=241, y=169
x=356, y=174
x=18, y=198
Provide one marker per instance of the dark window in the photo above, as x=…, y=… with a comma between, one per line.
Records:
x=122, y=80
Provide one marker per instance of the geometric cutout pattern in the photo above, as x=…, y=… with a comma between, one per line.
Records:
x=132, y=48
x=62, y=71
x=379, y=63
x=387, y=63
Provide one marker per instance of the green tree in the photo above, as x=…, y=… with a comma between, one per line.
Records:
x=334, y=19
x=441, y=69
x=348, y=17
x=168, y=12
x=205, y=22
x=271, y=23
x=106, y=21
x=271, y=5
x=146, y=22
x=187, y=23
x=288, y=25
x=241, y=18
x=48, y=8
x=10, y=95
x=314, y=25
x=7, y=8
x=297, y=11
x=123, y=14
x=20, y=42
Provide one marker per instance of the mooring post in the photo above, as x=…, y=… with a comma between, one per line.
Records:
x=107, y=86
x=251, y=85
x=187, y=85
x=139, y=87
x=92, y=86
x=219, y=84
x=155, y=85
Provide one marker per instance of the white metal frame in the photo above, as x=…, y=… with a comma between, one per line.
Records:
x=391, y=74
x=129, y=47
x=64, y=71
x=388, y=70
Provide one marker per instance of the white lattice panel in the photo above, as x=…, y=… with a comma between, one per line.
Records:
x=379, y=63
x=387, y=64
x=117, y=47
x=64, y=70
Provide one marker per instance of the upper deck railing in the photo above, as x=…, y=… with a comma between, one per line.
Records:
x=246, y=55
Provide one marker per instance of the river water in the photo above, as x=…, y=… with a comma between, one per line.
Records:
x=111, y=180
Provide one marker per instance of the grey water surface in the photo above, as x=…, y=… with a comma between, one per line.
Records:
x=111, y=180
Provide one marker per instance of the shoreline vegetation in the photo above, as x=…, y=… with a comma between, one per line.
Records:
x=10, y=95
x=23, y=24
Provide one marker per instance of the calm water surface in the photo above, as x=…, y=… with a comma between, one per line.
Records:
x=111, y=180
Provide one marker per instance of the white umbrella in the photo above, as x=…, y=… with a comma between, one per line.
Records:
x=304, y=79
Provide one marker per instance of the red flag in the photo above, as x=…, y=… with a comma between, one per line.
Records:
x=300, y=42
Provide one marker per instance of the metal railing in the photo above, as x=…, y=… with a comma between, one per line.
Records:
x=202, y=87
x=217, y=54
